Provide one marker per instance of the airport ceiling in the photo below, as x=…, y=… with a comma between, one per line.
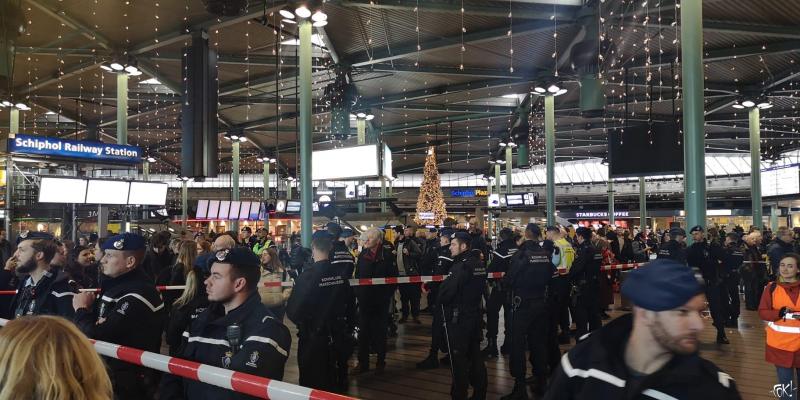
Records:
x=428, y=71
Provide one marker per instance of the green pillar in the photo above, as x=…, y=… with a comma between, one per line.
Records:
x=13, y=129
x=522, y=155
x=234, y=223
x=693, y=109
x=146, y=170
x=185, y=203
x=642, y=204
x=610, y=201
x=509, y=168
x=773, y=217
x=289, y=189
x=550, y=156
x=304, y=83
x=497, y=178
x=266, y=180
x=361, y=132
x=122, y=109
x=755, y=167
x=383, y=194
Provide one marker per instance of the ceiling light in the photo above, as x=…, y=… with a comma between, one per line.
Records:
x=765, y=105
x=49, y=113
x=553, y=88
x=234, y=136
x=511, y=96
x=117, y=66
x=302, y=12
x=150, y=159
x=748, y=103
x=361, y=115
x=130, y=69
x=106, y=67
x=286, y=14
x=288, y=21
x=539, y=89
x=319, y=24
x=560, y=92
x=738, y=106
x=151, y=81
x=512, y=144
x=319, y=16
x=501, y=162
x=7, y=103
x=370, y=117
x=272, y=160
x=502, y=144
x=135, y=73
x=242, y=138
x=21, y=106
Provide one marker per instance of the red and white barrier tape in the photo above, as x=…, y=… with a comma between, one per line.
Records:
x=376, y=281
x=239, y=382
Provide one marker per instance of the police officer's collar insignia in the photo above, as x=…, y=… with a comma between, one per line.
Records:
x=253, y=360
x=119, y=244
x=24, y=234
x=226, y=359
x=222, y=254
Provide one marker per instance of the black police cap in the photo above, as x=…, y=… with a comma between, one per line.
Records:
x=696, y=228
x=238, y=256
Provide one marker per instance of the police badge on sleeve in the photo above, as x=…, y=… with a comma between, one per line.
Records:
x=253, y=360
x=226, y=359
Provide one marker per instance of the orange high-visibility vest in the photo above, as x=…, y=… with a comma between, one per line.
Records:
x=783, y=334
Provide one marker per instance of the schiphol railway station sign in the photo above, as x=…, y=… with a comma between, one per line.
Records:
x=73, y=149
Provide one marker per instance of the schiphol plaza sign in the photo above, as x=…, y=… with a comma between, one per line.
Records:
x=73, y=149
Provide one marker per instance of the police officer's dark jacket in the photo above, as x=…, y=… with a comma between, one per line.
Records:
x=380, y=264
x=733, y=258
x=322, y=301
x=673, y=250
x=341, y=256
x=531, y=270
x=463, y=288
x=706, y=258
x=501, y=257
x=52, y=295
x=132, y=314
x=586, y=267
x=595, y=369
x=444, y=261
x=264, y=348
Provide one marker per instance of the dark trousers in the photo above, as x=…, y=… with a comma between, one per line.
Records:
x=316, y=362
x=553, y=350
x=562, y=287
x=731, y=296
x=464, y=338
x=497, y=299
x=410, y=295
x=714, y=295
x=437, y=330
x=587, y=310
x=373, y=325
x=529, y=331
x=753, y=287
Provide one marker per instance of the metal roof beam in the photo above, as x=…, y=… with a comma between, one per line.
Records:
x=59, y=14
x=723, y=54
x=436, y=121
x=432, y=92
x=488, y=8
x=460, y=108
x=732, y=27
x=445, y=70
x=65, y=73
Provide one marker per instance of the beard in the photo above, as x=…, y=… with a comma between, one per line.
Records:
x=682, y=345
x=26, y=267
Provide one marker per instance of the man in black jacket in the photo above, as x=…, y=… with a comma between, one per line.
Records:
x=651, y=353
x=585, y=278
x=460, y=300
x=409, y=254
x=322, y=306
x=701, y=256
x=375, y=261
x=780, y=246
x=731, y=263
x=340, y=252
x=130, y=312
x=498, y=294
x=443, y=265
x=44, y=288
x=675, y=248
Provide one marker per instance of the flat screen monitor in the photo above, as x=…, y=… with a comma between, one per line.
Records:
x=780, y=181
x=292, y=207
x=102, y=191
x=224, y=209
x=244, y=210
x=280, y=206
x=514, y=199
x=148, y=193
x=62, y=190
x=255, y=210
x=213, y=209
x=645, y=150
x=530, y=199
x=345, y=162
x=202, y=209
x=235, y=207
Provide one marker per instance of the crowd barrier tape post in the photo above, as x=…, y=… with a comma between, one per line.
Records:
x=239, y=382
x=374, y=281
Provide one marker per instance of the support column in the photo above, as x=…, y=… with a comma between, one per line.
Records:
x=13, y=129
x=610, y=201
x=266, y=180
x=497, y=178
x=509, y=168
x=642, y=204
x=773, y=217
x=693, y=112
x=550, y=149
x=479, y=217
x=146, y=177
x=755, y=167
x=522, y=154
x=289, y=189
x=383, y=194
x=361, y=136
x=234, y=223
x=185, y=203
x=122, y=108
x=304, y=83
x=489, y=217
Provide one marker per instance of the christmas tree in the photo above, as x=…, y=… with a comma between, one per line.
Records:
x=430, y=204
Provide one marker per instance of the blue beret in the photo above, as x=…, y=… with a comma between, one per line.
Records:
x=534, y=229
x=463, y=237
x=125, y=241
x=446, y=232
x=27, y=235
x=346, y=233
x=334, y=228
x=239, y=256
x=697, y=228
x=661, y=285
x=322, y=234
x=677, y=232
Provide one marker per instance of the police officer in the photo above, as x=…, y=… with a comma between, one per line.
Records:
x=528, y=280
x=340, y=253
x=731, y=263
x=322, y=305
x=651, y=352
x=585, y=278
x=460, y=300
x=675, y=248
x=44, y=288
x=705, y=259
x=498, y=296
x=443, y=264
x=235, y=332
x=130, y=313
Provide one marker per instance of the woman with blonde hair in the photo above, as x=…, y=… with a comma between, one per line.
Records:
x=187, y=253
x=48, y=358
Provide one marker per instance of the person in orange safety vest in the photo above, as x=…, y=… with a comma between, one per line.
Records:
x=779, y=303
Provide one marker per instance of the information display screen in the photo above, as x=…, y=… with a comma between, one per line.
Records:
x=255, y=210
x=213, y=209
x=62, y=190
x=780, y=181
x=148, y=193
x=224, y=209
x=292, y=207
x=202, y=209
x=107, y=192
x=234, y=211
x=514, y=200
x=244, y=210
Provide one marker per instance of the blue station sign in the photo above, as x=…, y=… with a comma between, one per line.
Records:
x=74, y=149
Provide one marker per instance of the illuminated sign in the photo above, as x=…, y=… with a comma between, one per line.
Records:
x=74, y=149
x=600, y=214
x=468, y=193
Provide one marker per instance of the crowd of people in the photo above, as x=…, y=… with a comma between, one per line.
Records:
x=239, y=289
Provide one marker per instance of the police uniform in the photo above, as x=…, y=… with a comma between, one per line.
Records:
x=444, y=262
x=596, y=367
x=51, y=295
x=129, y=312
x=498, y=296
x=322, y=305
x=731, y=263
x=340, y=254
x=460, y=298
x=703, y=257
x=528, y=280
x=585, y=277
x=673, y=250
